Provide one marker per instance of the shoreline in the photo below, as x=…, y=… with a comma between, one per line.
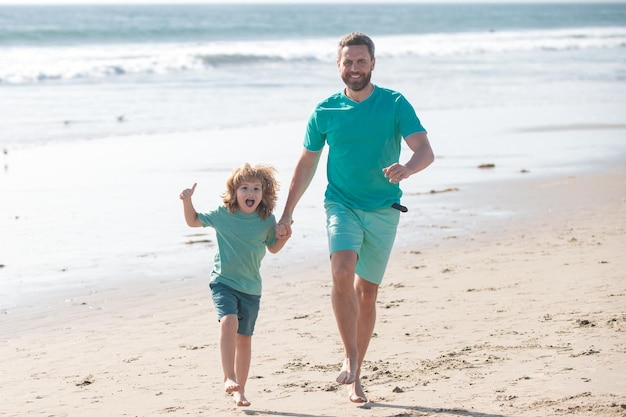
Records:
x=441, y=216
x=434, y=214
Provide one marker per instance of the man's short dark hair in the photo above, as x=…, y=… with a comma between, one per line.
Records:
x=356, y=38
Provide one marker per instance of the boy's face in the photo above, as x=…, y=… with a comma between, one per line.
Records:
x=249, y=196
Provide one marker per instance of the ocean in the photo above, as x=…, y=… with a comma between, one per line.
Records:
x=109, y=111
x=87, y=72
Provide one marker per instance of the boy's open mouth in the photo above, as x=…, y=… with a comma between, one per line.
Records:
x=249, y=202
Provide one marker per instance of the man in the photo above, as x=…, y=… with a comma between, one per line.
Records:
x=363, y=126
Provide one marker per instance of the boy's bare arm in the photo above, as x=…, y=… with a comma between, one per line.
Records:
x=281, y=238
x=191, y=215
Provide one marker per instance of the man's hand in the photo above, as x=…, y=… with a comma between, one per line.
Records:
x=396, y=173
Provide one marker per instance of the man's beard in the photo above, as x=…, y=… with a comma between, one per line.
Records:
x=357, y=85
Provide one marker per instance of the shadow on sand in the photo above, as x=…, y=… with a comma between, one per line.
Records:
x=452, y=412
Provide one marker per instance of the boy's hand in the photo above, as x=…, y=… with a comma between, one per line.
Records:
x=188, y=192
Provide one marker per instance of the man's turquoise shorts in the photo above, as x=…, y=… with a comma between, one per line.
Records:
x=370, y=233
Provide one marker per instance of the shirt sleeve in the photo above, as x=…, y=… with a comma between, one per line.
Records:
x=409, y=122
x=271, y=232
x=208, y=219
x=314, y=140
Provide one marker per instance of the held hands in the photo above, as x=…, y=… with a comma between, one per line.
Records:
x=396, y=173
x=188, y=192
x=283, y=228
x=282, y=232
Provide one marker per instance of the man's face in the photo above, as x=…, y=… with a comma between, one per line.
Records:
x=355, y=66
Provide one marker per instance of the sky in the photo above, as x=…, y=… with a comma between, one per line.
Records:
x=50, y=2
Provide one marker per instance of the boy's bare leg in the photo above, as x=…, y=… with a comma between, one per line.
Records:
x=240, y=399
x=243, y=358
x=346, y=308
x=230, y=385
x=228, y=334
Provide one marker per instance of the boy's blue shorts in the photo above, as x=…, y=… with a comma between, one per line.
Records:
x=370, y=233
x=230, y=301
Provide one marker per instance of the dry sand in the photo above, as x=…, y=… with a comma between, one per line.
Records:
x=526, y=317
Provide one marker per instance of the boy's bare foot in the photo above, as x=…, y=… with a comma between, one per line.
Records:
x=231, y=385
x=348, y=372
x=356, y=393
x=240, y=399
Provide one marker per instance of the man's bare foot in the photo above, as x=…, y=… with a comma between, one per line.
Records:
x=231, y=385
x=240, y=399
x=348, y=372
x=356, y=393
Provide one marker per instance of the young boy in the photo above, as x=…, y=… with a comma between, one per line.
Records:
x=245, y=227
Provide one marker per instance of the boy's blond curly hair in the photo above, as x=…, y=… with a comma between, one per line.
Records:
x=250, y=173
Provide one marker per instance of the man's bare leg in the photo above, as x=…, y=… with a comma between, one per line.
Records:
x=367, y=294
x=228, y=334
x=356, y=393
x=346, y=308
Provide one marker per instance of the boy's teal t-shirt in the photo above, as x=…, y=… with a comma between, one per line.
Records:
x=363, y=138
x=242, y=240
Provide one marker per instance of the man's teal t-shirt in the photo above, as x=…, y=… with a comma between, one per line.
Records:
x=363, y=138
x=242, y=240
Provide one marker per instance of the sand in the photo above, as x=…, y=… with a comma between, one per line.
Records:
x=522, y=314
